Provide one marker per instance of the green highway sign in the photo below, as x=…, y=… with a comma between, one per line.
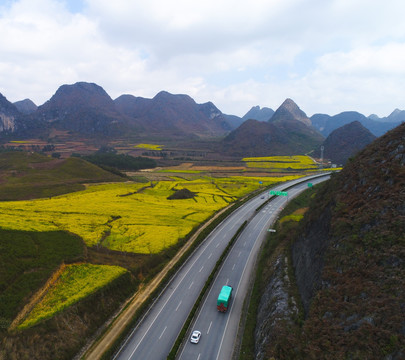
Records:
x=282, y=193
x=309, y=184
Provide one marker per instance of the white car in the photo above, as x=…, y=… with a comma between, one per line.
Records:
x=195, y=337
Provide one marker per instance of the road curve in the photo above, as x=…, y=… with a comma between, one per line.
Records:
x=219, y=330
x=155, y=335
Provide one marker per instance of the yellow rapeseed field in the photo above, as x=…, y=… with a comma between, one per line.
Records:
x=297, y=162
x=149, y=146
x=76, y=282
x=128, y=217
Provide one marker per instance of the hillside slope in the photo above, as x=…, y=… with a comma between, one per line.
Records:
x=341, y=293
x=30, y=175
x=349, y=260
x=345, y=142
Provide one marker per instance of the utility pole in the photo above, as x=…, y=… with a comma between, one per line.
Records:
x=322, y=156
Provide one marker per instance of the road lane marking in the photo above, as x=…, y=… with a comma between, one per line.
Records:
x=244, y=244
x=161, y=309
x=202, y=267
x=209, y=255
x=209, y=328
x=233, y=267
x=227, y=281
x=240, y=252
x=198, y=358
x=177, y=308
x=162, y=332
x=191, y=285
x=217, y=245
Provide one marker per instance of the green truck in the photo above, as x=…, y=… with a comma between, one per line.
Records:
x=224, y=298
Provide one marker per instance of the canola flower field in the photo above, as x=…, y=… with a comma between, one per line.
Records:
x=297, y=162
x=149, y=146
x=75, y=283
x=131, y=217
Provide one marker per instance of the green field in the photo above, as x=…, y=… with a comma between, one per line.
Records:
x=26, y=175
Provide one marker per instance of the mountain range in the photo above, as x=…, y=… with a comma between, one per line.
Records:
x=85, y=110
x=288, y=132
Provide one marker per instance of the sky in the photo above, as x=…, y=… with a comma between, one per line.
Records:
x=329, y=56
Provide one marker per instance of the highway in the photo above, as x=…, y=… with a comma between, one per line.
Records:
x=155, y=335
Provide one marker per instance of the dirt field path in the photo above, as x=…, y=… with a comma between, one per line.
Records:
x=97, y=349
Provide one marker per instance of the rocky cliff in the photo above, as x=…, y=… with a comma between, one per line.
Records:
x=8, y=115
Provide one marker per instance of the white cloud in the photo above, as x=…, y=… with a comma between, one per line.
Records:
x=328, y=56
x=388, y=59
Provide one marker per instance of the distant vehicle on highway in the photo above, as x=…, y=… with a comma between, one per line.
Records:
x=224, y=298
x=195, y=337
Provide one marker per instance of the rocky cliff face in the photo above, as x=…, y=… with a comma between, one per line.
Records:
x=289, y=111
x=308, y=255
x=8, y=115
x=276, y=306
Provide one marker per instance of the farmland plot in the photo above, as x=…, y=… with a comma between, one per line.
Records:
x=298, y=162
x=75, y=282
x=130, y=217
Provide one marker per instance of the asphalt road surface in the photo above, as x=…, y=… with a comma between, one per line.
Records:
x=155, y=335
